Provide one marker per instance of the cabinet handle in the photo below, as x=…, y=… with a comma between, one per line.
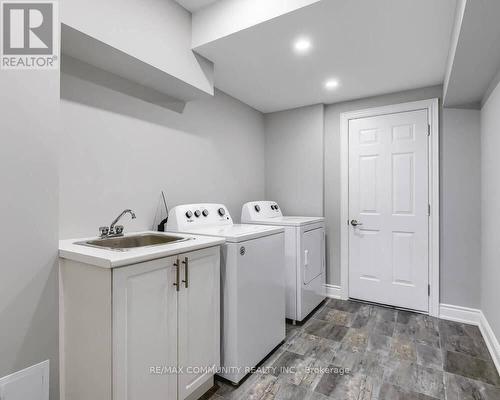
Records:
x=186, y=272
x=176, y=283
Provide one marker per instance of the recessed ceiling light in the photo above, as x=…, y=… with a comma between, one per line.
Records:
x=302, y=45
x=331, y=84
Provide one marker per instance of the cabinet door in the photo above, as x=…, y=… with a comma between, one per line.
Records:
x=145, y=331
x=199, y=318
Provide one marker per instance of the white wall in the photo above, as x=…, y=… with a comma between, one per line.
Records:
x=29, y=218
x=490, y=207
x=461, y=207
x=120, y=152
x=157, y=32
x=294, y=160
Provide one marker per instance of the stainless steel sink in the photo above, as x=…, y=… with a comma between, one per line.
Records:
x=123, y=243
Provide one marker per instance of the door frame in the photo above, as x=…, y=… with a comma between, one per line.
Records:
x=432, y=107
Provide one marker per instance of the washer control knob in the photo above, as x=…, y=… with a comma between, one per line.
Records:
x=221, y=212
x=257, y=208
x=197, y=213
x=205, y=213
x=189, y=214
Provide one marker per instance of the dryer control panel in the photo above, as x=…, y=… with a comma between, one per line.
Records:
x=188, y=216
x=258, y=210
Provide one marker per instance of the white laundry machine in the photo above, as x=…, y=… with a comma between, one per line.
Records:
x=304, y=255
x=252, y=284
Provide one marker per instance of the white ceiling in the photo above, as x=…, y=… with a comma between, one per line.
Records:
x=195, y=5
x=372, y=47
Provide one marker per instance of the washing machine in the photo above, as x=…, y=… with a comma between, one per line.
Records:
x=252, y=284
x=304, y=255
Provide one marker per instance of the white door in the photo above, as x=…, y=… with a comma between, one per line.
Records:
x=145, y=331
x=199, y=318
x=388, y=209
x=313, y=254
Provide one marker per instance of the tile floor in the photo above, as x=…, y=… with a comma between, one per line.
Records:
x=349, y=350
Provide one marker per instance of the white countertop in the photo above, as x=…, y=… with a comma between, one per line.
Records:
x=112, y=258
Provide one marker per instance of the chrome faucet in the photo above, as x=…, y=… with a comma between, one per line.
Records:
x=113, y=229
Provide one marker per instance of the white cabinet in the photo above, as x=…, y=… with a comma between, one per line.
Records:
x=166, y=341
x=144, y=331
x=198, y=318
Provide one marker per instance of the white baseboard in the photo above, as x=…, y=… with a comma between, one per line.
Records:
x=334, y=291
x=465, y=315
x=476, y=317
x=491, y=340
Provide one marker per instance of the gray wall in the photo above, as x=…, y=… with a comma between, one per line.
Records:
x=294, y=160
x=461, y=208
x=490, y=207
x=332, y=163
x=120, y=152
x=303, y=144
x=29, y=217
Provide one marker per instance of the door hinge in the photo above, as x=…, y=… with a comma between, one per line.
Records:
x=428, y=209
x=428, y=129
x=429, y=290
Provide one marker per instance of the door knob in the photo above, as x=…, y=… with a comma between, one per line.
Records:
x=355, y=222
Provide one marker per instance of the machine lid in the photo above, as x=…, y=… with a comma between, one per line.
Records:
x=288, y=221
x=269, y=213
x=237, y=232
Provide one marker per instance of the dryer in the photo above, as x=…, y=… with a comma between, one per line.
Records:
x=252, y=284
x=304, y=255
